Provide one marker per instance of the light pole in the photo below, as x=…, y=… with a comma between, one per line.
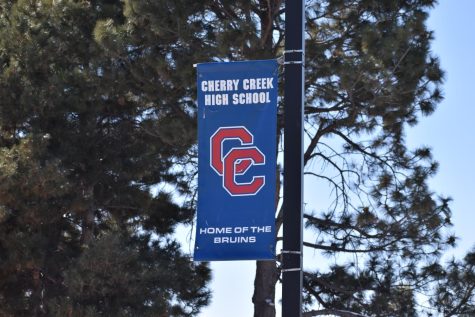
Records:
x=293, y=158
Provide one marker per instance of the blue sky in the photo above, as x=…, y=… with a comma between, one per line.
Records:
x=450, y=132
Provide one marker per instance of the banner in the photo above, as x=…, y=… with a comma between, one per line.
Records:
x=237, y=109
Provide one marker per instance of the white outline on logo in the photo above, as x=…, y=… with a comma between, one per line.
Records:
x=223, y=158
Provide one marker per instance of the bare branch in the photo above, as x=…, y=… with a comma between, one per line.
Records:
x=336, y=248
x=334, y=312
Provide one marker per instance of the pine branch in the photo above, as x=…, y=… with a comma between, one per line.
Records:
x=337, y=248
x=456, y=310
x=338, y=107
x=321, y=282
x=311, y=291
x=314, y=142
x=329, y=311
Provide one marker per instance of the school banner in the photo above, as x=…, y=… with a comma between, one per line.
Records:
x=237, y=109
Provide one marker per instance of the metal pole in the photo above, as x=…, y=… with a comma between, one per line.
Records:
x=293, y=159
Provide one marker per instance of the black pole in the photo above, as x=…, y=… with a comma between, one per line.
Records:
x=293, y=159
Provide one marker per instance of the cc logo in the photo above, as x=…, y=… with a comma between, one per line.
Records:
x=237, y=160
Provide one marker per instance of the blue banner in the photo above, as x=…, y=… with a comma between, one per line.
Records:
x=237, y=109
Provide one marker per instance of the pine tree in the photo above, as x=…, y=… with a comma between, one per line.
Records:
x=97, y=108
x=86, y=137
x=454, y=294
x=369, y=75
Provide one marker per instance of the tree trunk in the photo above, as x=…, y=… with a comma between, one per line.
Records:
x=88, y=227
x=88, y=217
x=36, y=295
x=267, y=275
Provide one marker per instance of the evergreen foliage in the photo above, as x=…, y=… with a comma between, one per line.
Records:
x=86, y=135
x=370, y=75
x=97, y=109
x=455, y=291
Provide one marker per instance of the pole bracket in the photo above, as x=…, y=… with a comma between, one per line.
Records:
x=290, y=252
x=292, y=57
x=293, y=62
x=293, y=51
x=295, y=269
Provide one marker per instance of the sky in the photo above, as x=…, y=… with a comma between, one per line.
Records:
x=450, y=132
